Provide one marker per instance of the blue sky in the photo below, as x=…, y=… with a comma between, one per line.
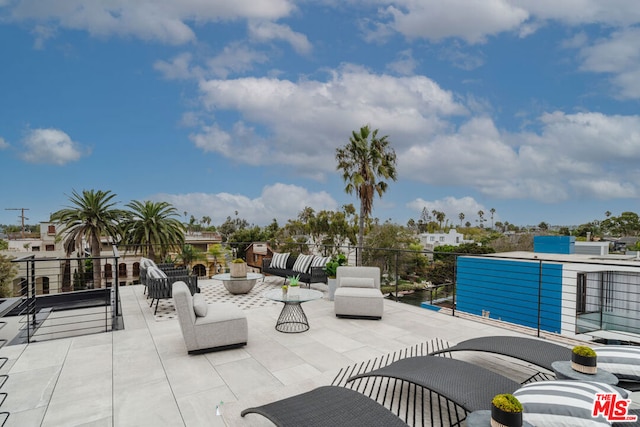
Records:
x=529, y=107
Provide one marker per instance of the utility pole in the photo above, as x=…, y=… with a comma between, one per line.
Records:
x=22, y=217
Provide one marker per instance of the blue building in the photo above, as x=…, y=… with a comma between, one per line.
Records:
x=553, y=289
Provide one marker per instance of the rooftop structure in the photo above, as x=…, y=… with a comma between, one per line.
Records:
x=143, y=376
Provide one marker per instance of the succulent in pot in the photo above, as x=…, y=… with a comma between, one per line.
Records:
x=506, y=411
x=238, y=268
x=584, y=359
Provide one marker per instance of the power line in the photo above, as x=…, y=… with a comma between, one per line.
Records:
x=22, y=217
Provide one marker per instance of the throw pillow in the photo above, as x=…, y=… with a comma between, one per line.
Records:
x=200, y=306
x=156, y=273
x=279, y=260
x=563, y=402
x=357, y=282
x=623, y=361
x=320, y=261
x=302, y=263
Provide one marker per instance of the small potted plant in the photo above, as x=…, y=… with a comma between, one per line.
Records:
x=584, y=360
x=331, y=268
x=294, y=286
x=506, y=411
x=238, y=268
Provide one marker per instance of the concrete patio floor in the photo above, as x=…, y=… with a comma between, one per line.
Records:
x=143, y=376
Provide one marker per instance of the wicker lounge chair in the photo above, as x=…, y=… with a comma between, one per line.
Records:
x=329, y=406
x=469, y=386
x=538, y=352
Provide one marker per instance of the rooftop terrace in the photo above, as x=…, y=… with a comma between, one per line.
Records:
x=143, y=376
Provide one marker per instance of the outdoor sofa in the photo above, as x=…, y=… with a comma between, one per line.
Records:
x=310, y=268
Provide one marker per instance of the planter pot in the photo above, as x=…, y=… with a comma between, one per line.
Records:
x=238, y=269
x=293, y=292
x=500, y=418
x=584, y=364
x=333, y=284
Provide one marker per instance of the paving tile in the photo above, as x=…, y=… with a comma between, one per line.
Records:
x=149, y=404
x=247, y=376
x=191, y=374
x=199, y=409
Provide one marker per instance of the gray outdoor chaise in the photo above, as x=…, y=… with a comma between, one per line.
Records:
x=469, y=386
x=536, y=351
x=329, y=406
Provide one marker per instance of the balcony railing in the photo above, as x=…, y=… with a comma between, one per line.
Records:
x=58, y=297
x=546, y=293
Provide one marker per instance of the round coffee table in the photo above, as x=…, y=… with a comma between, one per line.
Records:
x=292, y=318
x=564, y=371
x=238, y=285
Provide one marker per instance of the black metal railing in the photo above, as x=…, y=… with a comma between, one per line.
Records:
x=545, y=293
x=59, y=297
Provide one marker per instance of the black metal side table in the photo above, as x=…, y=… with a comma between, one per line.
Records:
x=292, y=318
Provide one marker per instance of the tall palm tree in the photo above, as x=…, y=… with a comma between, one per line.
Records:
x=493, y=211
x=461, y=217
x=154, y=226
x=91, y=216
x=366, y=161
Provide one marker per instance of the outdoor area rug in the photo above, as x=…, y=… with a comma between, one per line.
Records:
x=214, y=291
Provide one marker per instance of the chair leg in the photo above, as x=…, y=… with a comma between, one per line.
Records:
x=156, y=310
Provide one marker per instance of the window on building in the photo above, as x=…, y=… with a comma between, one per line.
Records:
x=107, y=271
x=35, y=248
x=136, y=269
x=581, y=297
x=45, y=285
x=51, y=229
x=50, y=248
x=122, y=270
x=432, y=238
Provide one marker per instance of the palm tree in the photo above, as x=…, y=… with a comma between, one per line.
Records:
x=493, y=211
x=461, y=217
x=154, y=226
x=440, y=216
x=91, y=216
x=366, y=161
x=481, y=215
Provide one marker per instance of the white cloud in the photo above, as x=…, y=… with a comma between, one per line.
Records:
x=619, y=56
x=279, y=201
x=472, y=21
x=576, y=12
x=165, y=21
x=3, y=144
x=307, y=120
x=50, y=146
x=451, y=206
x=475, y=21
x=234, y=58
x=404, y=65
x=265, y=31
x=179, y=68
x=574, y=155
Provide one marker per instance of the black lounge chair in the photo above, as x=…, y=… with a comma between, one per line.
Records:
x=329, y=406
x=535, y=351
x=469, y=386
